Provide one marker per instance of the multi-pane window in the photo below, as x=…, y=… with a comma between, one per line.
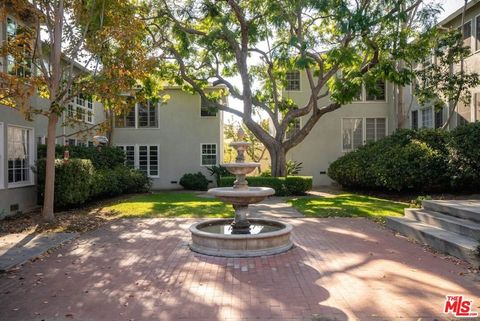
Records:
x=148, y=160
x=439, y=118
x=371, y=93
x=427, y=117
x=477, y=33
x=71, y=142
x=467, y=34
x=19, y=154
x=376, y=92
x=293, y=81
x=142, y=115
x=293, y=127
x=375, y=129
x=463, y=113
x=81, y=108
x=129, y=155
x=352, y=136
x=415, y=119
x=357, y=131
x=206, y=111
x=147, y=115
x=21, y=68
x=126, y=119
x=209, y=154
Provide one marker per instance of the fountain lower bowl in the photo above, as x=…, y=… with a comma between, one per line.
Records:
x=214, y=237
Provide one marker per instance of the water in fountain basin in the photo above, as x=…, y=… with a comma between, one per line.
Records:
x=226, y=228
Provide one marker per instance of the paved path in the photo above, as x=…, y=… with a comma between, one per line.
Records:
x=340, y=269
x=18, y=248
x=273, y=208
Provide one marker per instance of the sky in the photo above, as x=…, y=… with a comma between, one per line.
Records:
x=449, y=6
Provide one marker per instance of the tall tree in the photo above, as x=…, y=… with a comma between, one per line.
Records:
x=75, y=47
x=337, y=44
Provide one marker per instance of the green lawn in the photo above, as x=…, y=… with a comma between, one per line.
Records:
x=170, y=204
x=348, y=205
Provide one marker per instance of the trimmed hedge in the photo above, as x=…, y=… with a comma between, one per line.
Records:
x=72, y=181
x=77, y=181
x=422, y=160
x=194, y=181
x=104, y=157
x=283, y=186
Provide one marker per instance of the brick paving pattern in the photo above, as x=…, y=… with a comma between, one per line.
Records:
x=340, y=269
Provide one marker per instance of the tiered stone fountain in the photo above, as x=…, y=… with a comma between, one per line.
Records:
x=242, y=236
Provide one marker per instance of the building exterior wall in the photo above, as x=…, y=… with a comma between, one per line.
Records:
x=471, y=64
x=324, y=143
x=179, y=136
x=21, y=197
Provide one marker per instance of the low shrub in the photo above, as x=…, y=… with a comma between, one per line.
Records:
x=77, y=181
x=298, y=185
x=72, y=181
x=291, y=185
x=218, y=172
x=104, y=157
x=194, y=181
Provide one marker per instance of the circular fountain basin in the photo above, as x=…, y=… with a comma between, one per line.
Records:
x=237, y=196
x=266, y=237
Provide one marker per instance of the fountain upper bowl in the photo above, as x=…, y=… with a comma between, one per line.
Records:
x=241, y=168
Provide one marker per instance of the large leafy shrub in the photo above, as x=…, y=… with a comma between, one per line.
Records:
x=103, y=157
x=72, y=181
x=464, y=159
x=407, y=159
x=194, y=181
x=291, y=185
x=77, y=181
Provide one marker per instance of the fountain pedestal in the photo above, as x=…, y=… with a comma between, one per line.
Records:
x=241, y=237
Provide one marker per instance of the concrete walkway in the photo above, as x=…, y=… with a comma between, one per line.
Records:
x=273, y=208
x=16, y=249
x=340, y=269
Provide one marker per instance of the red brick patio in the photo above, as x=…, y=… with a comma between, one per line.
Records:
x=340, y=269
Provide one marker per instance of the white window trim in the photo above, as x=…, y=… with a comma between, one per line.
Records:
x=200, y=110
x=472, y=49
x=136, y=121
x=2, y=156
x=31, y=181
x=136, y=157
x=420, y=118
x=300, y=125
x=216, y=154
x=299, y=83
x=23, y=25
x=364, y=100
x=364, y=130
x=474, y=36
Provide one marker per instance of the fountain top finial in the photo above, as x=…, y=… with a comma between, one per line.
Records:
x=240, y=134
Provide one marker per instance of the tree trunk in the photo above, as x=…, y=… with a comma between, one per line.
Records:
x=49, y=194
x=278, y=161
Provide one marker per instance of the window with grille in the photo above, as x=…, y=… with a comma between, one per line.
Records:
x=375, y=92
x=209, y=154
x=427, y=117
x=206, y=111
x=352, y=136
x=375, y=129
x=21, y=68
x=415, y=119
x=81, y=109
x=19, y=142
x=467, y=34
x=293, y=81
x=147, y=115
x=439, y=118
x=148, y=160
x=293, y=128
